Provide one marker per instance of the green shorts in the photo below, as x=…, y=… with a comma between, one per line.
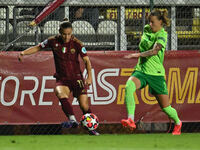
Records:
x=157, y=84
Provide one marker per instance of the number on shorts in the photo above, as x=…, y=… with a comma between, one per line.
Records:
x=80, y=83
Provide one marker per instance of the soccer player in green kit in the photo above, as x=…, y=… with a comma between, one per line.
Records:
x=150, y=70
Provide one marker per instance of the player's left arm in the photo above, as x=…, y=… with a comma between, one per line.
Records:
x=88, y=67
x=83, y=53
x=160, y=43
x=157, y=47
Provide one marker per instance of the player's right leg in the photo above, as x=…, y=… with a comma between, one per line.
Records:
x=84, y=105
x=62, y=92
x=132, y=84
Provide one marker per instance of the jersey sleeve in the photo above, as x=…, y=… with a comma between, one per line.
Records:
x=162, y=39
x=81, y=49
x=45, y=44
x=147, y=28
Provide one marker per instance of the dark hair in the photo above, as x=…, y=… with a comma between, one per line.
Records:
x=65, y=24
x=161, y=15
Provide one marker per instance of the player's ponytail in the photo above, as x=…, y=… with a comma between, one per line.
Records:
x=65, y=24
x=165, y=19
x=161, y=15
x=66, y=19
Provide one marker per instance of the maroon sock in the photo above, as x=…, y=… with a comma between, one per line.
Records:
x=88, y=111
x=66, y=107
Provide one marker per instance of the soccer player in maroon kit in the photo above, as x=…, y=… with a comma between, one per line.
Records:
x=66, y=50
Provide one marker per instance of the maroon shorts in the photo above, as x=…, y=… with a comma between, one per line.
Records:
x=76, y=86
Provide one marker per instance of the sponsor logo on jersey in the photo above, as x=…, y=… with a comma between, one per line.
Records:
x=84, y=51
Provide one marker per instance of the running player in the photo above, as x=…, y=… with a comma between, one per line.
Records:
x=150, y=70
x=66, y=50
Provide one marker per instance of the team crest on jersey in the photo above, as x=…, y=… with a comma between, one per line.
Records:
x=73, y=50
x=84, y=51
x=64, y=49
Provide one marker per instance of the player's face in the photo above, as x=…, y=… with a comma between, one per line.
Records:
x=155, y=23
x=66, y=34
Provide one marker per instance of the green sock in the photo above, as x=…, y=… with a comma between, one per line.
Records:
x=129, y=98
x=171, y=112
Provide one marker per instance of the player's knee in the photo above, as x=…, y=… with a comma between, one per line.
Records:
x=127, y=85
x=130, y=85
x=61, y=95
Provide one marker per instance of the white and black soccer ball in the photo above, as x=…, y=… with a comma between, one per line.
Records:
x=90, y=121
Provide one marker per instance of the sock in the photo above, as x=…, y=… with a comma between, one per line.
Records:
x=72, y=117
x=129, y=98
x=171, y=112
x=131, y=116
x=67, y=108
x=88, y=111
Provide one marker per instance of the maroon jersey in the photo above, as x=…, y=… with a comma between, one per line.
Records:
x=66, y=57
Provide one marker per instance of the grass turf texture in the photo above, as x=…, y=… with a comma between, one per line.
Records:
x=103, y=142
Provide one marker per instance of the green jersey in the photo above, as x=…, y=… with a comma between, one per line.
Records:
x=152, y=65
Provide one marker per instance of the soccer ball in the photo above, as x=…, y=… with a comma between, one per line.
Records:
x=90, y=121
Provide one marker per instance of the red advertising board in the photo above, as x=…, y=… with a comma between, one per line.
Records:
x=27, y=88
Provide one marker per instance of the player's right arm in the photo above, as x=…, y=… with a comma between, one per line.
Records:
x=29, y=51
x=32, y=50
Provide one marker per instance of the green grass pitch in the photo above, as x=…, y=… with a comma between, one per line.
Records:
x=102, y=142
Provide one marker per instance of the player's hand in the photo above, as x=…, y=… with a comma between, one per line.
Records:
x=135, y=55
x=88, y=81
x=20, y=56
x=32, y=24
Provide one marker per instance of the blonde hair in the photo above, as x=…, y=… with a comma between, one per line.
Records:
x=161, y=15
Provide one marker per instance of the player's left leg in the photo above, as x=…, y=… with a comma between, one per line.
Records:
x=84, y=105
x=163, y=101
x=80, y=92
x=158, y=87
